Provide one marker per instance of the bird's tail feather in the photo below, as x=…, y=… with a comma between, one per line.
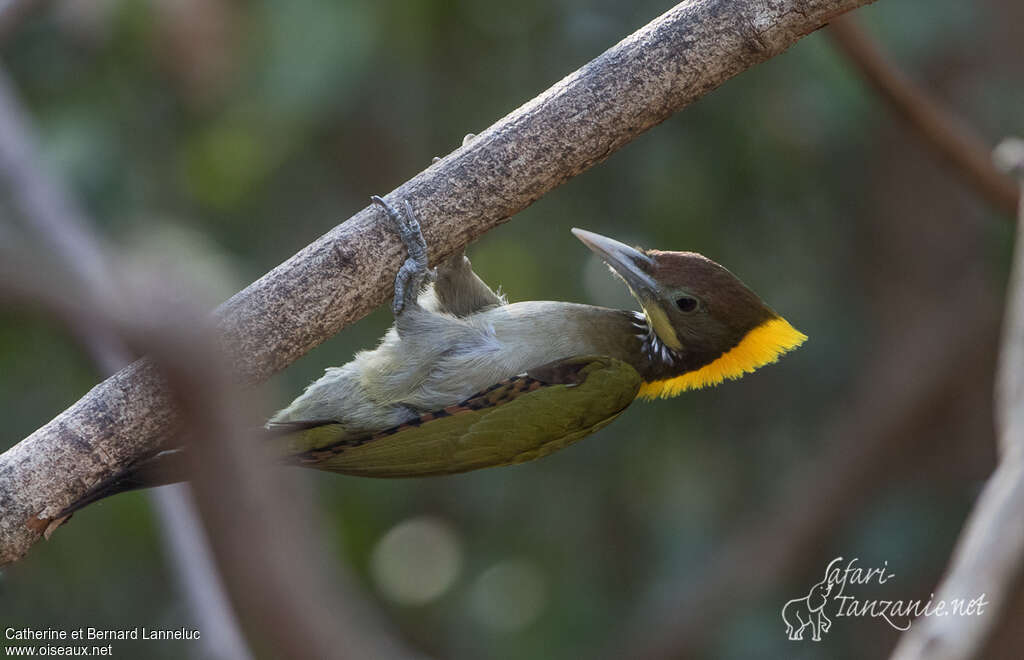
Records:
x=160, y=469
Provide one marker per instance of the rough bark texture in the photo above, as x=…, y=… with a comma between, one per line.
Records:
x=340, y=277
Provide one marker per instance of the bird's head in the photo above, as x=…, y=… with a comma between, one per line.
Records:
x=712, y=326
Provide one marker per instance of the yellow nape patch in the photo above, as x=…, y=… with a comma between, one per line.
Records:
x=762, y=345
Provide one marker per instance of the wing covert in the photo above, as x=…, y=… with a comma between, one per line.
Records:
x=516, y=420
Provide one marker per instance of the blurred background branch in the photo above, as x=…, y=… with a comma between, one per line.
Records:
x=13, y=13
x=939, y=129
x=55, y=219
x=264, y=530
x=871, y=442
x=989, y=555
x=875, y=438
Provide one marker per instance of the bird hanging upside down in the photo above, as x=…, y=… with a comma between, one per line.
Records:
x=465, y=380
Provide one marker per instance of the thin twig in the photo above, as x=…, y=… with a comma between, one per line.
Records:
x=188, y=552
x=953, y=140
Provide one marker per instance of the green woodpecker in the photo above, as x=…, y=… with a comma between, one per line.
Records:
x=465, y=380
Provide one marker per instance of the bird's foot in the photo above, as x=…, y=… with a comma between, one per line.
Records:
x=415, y=271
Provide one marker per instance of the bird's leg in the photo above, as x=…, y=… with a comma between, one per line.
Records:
x=460, y=292
x=415, y=271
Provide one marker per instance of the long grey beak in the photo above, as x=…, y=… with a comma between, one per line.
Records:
x=631, y=264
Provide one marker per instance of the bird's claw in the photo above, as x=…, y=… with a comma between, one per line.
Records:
x=415, y=271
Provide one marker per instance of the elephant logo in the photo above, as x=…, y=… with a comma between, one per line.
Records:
x=800, y=614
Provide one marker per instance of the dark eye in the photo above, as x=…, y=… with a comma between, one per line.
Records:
x=686, y=303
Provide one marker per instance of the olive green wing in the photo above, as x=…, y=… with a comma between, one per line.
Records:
x=516, y=420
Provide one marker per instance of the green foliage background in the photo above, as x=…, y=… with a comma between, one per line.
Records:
x=216, y=155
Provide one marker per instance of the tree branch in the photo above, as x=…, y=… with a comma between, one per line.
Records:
x=578, y=122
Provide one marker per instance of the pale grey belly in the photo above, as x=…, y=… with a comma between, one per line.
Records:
x=444, y=363
x=459, y=376
x=520, y=337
